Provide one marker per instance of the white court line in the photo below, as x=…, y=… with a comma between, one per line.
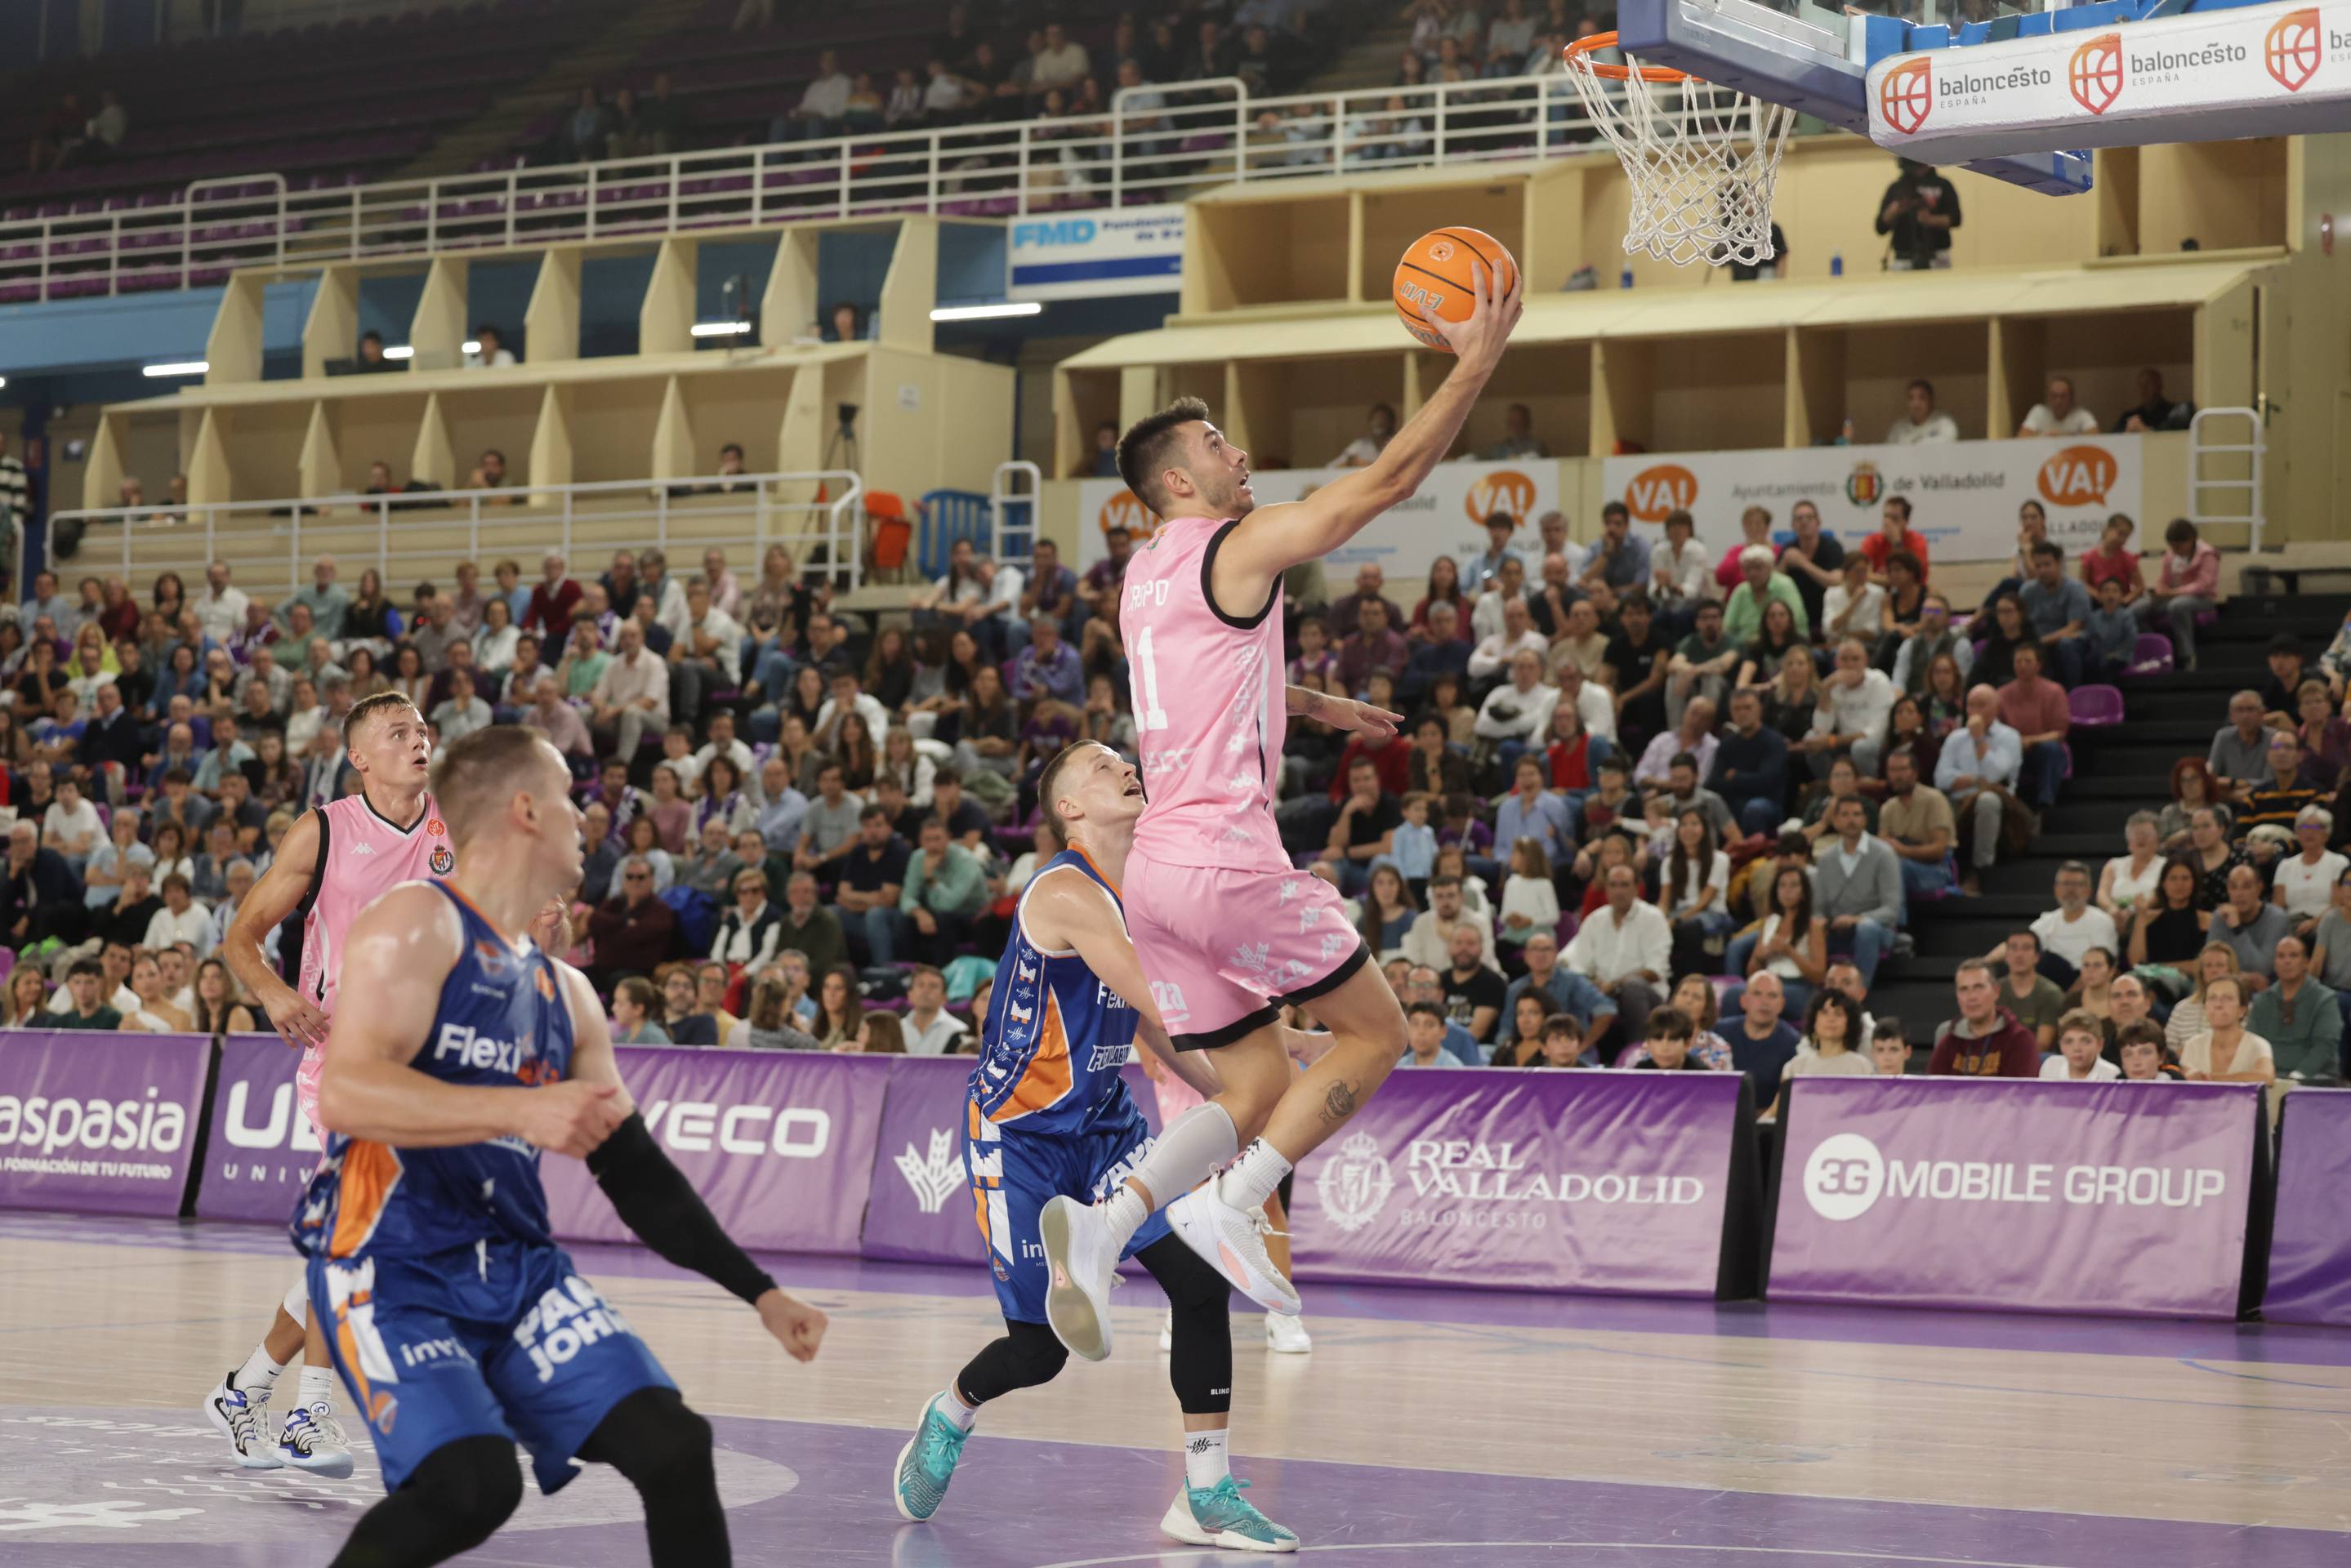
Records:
x=1164, y=1556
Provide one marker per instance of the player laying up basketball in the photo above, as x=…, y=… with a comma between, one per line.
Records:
x=1228, y=930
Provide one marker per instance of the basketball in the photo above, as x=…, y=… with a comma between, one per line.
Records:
x=1435, y=271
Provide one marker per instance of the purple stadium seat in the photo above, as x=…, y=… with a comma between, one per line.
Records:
x=2096, y=706
x=2152, y=655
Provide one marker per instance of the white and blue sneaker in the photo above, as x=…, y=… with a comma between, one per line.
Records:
x=243, y=1419
x=312, y=1440
x=1081, y=1270
x=1220, y=1516
x=927, y=1463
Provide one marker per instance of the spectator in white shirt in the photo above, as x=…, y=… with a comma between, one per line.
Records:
x=1855, y=703
x=1923, y=424
x=1429, y=943
x=1500, y=651
x=1062, y=63
x=1624, y=948
x=70, y=825
x=2080, y=1041
x=2058, y=414
x=489, y=352
x=1684, y=576
x=220, y=608
x=1508, y=585
x=631, y=695
x=1380, y=424
x=1519, y=709
x=2076, y=926
x=180, y=920
x=1977, y=769
x=821, y=107
x=1854, y=605
x=930, y=1028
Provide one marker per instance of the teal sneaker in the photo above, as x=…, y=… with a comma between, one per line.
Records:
x=927, y=1463
x=1220, y=1516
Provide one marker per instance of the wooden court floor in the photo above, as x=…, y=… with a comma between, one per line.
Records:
x=2206, y=1424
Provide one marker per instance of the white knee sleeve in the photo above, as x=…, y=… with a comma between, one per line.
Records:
x=296, y=1304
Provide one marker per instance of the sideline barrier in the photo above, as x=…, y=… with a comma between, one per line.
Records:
x=2068, y=1198
x=258, y=1146
x=2107, y=1199
x=2310, y=1250
x=100, y=1124
x=1605, y=1183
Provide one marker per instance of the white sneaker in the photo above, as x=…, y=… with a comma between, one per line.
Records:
x=1081, y=1267
x=1168, y=1331
x=1231, y=1239
x=313, y=1440
x=243, y=1420
x=1287, y=1334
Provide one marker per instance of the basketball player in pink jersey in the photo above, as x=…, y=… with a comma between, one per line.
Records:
x=333, y=862
x=1228, y=929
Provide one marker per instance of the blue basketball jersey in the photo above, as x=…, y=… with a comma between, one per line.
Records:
x=501, y=1023
x=1055, y=1035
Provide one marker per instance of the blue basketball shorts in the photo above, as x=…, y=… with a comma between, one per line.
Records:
x=1014, y=1174
x=502, y=1340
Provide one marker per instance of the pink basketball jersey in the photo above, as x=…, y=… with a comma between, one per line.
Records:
x=362, y=856
x=1209, y=710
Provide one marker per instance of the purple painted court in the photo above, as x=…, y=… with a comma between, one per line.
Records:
x=1498, y=1429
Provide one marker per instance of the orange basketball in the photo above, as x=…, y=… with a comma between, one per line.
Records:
x=1434, y=272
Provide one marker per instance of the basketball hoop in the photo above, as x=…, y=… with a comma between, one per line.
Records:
x=1701, y=159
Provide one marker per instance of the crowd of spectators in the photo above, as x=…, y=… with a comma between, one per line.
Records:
x=1650, y=808
x=1643, y=793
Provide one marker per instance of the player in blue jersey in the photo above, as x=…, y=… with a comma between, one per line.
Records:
x=457, y=1325
x=1048, y=1117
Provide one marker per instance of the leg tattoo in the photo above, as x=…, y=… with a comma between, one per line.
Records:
x=1340, y=1102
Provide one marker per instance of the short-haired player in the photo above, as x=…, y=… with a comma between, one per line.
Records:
x=457, y=1325
x=334, y=861
x=1047, y=1118
x=1229, y=932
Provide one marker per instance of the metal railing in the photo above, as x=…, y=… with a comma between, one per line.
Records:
x=818, y=516
x=1155, y=144
x=1014, y=494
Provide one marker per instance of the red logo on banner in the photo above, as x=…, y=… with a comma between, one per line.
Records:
x=2293, y=49
x=1906, y=95
x=1654, y=492
x=2079, y=476
x=2096, y=74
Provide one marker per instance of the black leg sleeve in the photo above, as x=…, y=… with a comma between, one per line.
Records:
x=451, y=1503
x=1026, y=1357
x=1200, y=1351
x=663, y=1448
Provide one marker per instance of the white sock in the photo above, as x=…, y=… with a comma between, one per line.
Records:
x=1254, y=1177
x=951, y=1405
x=318, y=1386
x=1194, y=1146
x=1205, y=1461
x=259, y=1375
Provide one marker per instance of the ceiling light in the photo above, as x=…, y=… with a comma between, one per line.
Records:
x=987, y=312
x=178, y=368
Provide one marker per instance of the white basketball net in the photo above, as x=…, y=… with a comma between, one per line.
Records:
x=1701, y=160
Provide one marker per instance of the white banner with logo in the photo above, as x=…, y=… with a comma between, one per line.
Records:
x=2257, y=70
x=1963, y=495
x=1091, y=256
x=1447, y=518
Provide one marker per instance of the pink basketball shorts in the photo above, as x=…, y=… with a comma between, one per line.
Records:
x=306, y=1087
x=1223, y=949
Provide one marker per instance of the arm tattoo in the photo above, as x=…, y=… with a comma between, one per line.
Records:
x=1303, y=701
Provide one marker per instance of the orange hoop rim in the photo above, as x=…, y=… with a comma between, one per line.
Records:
x=1605, y=72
